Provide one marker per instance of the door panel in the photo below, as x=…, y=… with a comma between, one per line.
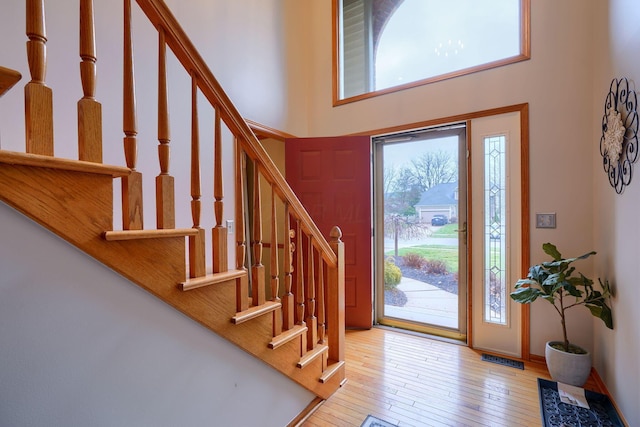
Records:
x=421, y=221
x=497, y=232
x=331, y=177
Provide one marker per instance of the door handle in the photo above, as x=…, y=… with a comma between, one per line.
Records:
x=463, y=230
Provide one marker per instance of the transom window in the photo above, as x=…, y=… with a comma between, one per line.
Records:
x=389, y=45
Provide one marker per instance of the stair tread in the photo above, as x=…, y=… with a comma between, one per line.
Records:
x=331, y=371
x=8, y=78
x=37, y=160
x=211, y=279
x=287, y=336
x=255, y=311
x=148, y=234
x=312, y=355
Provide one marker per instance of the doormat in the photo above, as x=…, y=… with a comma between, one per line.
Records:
x=503, y=361
x=600, y=413
x=372, y=421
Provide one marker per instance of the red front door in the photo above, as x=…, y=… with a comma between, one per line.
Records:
x=331, y=177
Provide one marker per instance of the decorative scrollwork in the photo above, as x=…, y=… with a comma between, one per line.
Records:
x=619, y=141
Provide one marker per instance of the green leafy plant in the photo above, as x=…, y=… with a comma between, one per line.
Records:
x=553, y=282
x=392, y=274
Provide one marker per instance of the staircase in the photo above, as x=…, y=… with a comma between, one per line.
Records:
x=288, y=313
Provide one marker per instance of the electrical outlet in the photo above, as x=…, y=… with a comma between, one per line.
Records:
x=546, y=220
x=230, y=226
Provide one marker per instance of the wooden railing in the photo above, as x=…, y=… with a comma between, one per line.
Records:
x=309, y=298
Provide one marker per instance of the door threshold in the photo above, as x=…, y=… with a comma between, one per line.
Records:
x=423, y=335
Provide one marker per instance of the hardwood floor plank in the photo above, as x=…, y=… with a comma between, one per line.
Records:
x=410, y=380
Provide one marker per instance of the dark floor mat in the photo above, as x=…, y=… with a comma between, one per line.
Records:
x=503, y=361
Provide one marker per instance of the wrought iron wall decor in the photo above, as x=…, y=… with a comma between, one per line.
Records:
x=619, y=141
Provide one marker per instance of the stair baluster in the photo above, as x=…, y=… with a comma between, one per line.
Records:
x=312, y=320
x=300, y=287
x=321, y=302
x=242, y=283
x=288, y=305
x=219, y=232
x=275, y=272
x=38, y=98
x=89, y=110
x=197, y=266
x=132, y=215
x=257, y=269
x=165, y=187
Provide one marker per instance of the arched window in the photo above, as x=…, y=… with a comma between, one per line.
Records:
x=389, y=45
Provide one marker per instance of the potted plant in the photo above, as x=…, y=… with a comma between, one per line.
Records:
x=554, y=282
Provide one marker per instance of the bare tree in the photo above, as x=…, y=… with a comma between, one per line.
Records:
x=404, y=227
x=434, y=168
x=402, y=192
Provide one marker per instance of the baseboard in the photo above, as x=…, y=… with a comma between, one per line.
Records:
x=604, y=390
x=307, y=412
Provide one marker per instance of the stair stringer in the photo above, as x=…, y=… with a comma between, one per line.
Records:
x=78, y=206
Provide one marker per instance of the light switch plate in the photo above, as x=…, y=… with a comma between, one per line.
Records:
x=546, y=220
x=230, y=226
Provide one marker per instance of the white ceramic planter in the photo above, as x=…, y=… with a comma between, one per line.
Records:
x=567, y=368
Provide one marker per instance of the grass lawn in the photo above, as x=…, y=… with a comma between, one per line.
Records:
x=447, y=254
x=448, y=230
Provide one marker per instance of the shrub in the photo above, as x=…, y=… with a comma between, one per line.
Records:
x=414, y=260
x=392, y=274
x=435, y=266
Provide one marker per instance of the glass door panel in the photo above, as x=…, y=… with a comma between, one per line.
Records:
x=421, y=211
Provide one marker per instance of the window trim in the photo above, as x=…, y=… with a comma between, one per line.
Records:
x=525, y=54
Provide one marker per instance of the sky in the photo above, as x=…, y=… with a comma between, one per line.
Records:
x=400, y=154
x=425, y=38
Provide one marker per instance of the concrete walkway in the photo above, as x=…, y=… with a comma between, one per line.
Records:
x=425, y=304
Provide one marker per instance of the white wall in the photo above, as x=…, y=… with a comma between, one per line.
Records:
x=617, y=230
x=81, y=346
x=577, y=46
x=556, y=82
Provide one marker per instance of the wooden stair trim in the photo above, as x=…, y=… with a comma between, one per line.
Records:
x=312, y=355
x=211, y=279
x=161, y=16
x=37, y=160
x=255, y=311
x=60, y=200
x=331, y=370
x=120, y=235
x=287, y=336
x=8, y=78
x=262, y=131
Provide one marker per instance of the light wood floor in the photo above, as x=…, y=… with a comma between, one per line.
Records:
x=410, y=380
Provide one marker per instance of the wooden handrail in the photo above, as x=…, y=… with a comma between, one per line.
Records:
x=177, y=40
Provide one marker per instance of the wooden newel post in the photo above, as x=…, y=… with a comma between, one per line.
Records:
x=89, y=110
x=38, y=98
x=335, y=299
